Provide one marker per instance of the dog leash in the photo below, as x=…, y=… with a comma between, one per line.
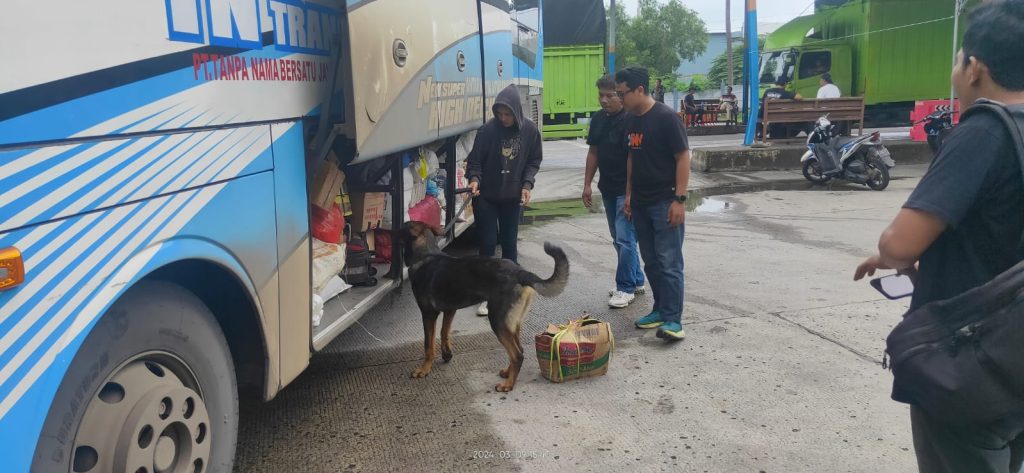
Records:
x=455, y=219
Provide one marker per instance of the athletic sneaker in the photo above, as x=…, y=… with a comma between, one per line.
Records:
x=671, y=331
x=620, y=299
x=652, y=320
x=638, y=291
x=481, y=309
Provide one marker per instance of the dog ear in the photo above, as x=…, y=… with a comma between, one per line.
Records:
x=411, y=229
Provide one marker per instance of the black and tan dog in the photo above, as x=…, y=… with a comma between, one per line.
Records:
x=444, y=283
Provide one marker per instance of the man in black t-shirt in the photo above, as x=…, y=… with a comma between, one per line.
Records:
x=658, y=172
x=962, y=225
x=690, y=107
x=659, y=91
x=607, y=140
x=779, y=92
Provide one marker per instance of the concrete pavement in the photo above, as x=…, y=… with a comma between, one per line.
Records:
x=561, y=174
x=779, y=372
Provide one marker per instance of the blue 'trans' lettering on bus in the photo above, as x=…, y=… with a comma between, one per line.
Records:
x=298, y=26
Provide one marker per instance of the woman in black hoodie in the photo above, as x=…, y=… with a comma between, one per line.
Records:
x=501, y=170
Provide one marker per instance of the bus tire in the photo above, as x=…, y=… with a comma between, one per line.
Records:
x=151, y=389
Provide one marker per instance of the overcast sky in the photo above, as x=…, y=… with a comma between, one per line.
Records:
x=713, y=11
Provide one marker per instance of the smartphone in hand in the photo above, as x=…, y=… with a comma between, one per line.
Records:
x=894, y=286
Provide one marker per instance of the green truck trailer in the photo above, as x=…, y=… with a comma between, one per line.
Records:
x=891, y=52
x=574, y=39
x=569, y=94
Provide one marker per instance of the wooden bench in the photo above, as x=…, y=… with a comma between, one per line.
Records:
x=848, y=109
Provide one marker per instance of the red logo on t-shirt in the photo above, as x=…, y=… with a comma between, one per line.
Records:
x=636, y=139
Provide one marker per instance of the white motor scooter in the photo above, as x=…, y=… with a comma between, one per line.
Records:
x=862, y=159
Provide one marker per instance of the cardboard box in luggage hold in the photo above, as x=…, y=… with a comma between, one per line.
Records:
x=326, y=183
x=368, y=210
x=578, y=349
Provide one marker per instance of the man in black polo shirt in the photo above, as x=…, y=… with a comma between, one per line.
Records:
x=779, y=92
x=961, y=227
x=658, y=171
x=607, y=140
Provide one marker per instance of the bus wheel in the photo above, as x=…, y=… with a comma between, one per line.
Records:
x=151, y=390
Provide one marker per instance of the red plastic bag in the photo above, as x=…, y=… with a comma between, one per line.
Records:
x=382, y=245
x=427, y=211
x=328, y=224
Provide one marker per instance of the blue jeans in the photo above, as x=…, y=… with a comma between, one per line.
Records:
x=628, y=276
x=497, y=223
x=661, y=247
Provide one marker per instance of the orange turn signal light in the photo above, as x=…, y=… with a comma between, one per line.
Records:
x=12, y=268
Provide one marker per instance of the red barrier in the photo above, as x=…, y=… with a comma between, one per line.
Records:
x=922, y=108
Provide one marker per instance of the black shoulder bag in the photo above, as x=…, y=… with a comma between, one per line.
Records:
x=962, y=359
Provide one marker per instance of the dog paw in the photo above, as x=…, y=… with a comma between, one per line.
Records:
x=420, y=372
x=503, y=373
x=504, y=387
x=446, y=355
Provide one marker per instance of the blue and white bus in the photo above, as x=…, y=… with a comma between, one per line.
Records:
x=155, y=158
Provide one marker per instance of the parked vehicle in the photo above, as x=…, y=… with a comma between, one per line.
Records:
x=938, y=125
x=574, y=58
x=891, y=52
x=158, y=163
x=862, y=159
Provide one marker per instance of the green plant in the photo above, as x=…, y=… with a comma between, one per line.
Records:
x=659, y=37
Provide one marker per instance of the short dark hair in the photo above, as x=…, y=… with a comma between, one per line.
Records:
x=993, y=38
x=781, y=81
x=606, y=82
x=634, y=77
x=827, y=77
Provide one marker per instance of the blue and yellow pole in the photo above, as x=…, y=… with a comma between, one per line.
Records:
x=611, y=41
x=752, y=73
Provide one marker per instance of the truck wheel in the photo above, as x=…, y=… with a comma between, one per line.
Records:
x=151, y=390
x=813, y=172
x=878, y=174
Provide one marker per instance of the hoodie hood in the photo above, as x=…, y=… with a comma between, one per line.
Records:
x=510, y=98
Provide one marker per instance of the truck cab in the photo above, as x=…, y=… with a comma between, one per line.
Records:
x=797, y=52
x=802, y=68
x=892, y=52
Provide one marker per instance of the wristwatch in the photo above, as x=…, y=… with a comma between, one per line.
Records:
x=681, y=198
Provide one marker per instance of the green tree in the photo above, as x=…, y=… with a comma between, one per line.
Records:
x=700, y=82
x=719, y=66
x=660, y=37
x=673, y=82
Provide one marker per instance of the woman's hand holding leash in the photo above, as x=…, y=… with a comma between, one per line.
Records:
x=474, y=188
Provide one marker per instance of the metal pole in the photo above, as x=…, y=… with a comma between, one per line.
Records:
x=728, y=40
x=957, y=7
x=752, y=72
x=611, y=41
x=746, y=72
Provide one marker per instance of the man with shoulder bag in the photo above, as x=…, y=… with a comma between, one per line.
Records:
x=958, y=355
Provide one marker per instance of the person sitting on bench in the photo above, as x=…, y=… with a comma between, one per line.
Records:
x=779, y=92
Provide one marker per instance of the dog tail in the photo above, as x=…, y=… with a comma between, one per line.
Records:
x=554, y=285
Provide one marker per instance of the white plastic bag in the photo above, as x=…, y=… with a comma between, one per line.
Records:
x=334, y=286
x=328, y=261
x=318, y=310
x=464, y=146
